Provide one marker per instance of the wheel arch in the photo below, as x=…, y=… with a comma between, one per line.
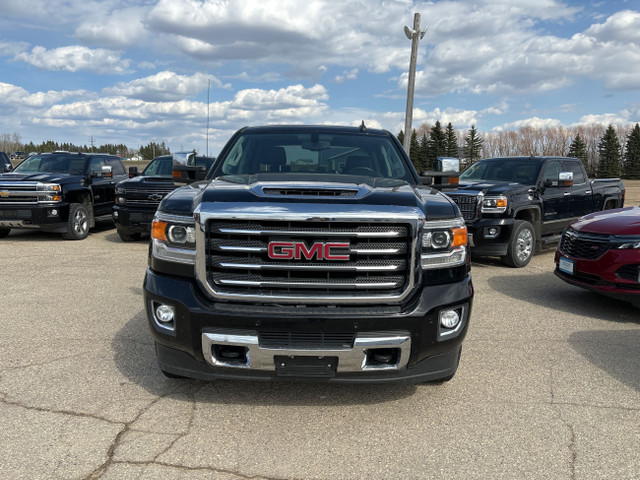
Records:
x=532, y=215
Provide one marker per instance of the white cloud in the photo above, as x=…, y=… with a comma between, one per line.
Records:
x=533, y=122
x=164, y=86
x=120, y=28
x=14, y=96
x=605, y=119
x=9, y=49
x=621, y=27
x=75, y=58
x=347, y=75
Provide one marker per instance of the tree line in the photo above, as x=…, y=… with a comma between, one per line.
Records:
x=612, y=151
x=12, y=143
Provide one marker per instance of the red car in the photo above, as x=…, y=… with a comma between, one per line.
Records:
x=601, y=252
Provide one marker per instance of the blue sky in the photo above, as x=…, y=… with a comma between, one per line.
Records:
x=127, y=71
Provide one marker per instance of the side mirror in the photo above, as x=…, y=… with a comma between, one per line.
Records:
x=565, y=179
x=133, y=172
x=446, y=175
x=106, y=172
x=448, y=164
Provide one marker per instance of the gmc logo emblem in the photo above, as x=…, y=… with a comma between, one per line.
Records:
x=299, y=250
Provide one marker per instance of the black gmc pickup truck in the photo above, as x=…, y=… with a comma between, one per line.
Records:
x=59, y=192
x=515, y=205
x=313, y=252
x=138, y=197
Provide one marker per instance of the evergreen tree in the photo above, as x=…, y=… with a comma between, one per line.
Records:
x=414, y=148
x=632, y=155
x=472, y=148
x=423, y=153
x=609, y=152
x=436, y=146
x=400, y=137
x=578, y=149
x=451, y=149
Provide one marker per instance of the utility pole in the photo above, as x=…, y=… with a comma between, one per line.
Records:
x=413, y=35
x=207, y=144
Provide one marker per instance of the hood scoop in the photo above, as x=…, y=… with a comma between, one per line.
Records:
x=311, y=192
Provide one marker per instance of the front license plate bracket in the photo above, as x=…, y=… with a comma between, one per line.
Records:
x=565, y=265
x=305, y=366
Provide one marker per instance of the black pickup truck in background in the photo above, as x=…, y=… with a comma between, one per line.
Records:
x=514, y=205
x=60, y=192
x=138, y=197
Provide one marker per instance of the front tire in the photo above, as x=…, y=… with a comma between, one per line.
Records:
x=4, y=232
x=521, y=244
x=78, y=223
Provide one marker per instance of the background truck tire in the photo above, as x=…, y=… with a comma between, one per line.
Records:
x=78, y=223
x=4, y=232
x=521, y=244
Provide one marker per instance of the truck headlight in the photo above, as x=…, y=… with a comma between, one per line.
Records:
x=494, y=204
x=49, y=192
x=444, y=244
x=174, y=238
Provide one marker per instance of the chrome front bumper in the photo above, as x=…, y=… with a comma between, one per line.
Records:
x=350, y=359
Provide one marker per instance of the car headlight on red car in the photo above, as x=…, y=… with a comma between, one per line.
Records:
x=624, y=243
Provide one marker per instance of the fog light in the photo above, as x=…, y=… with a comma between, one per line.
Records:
x=449, y=318
x=115, y=214
x=491, y=232
x=165, y=313
x=53, y=212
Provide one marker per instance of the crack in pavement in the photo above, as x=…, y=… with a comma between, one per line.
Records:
x=98, y=472
x=128, y=428
x=572, y=434
x=195, y=469
x=4, y=400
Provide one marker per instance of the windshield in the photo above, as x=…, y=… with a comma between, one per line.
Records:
x=159, y=167
x=509, y=170
x=52, y=163
x=314, y=153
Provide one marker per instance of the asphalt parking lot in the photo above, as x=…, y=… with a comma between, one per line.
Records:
x=548, y=387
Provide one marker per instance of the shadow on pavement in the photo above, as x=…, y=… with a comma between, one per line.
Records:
x=135, y=357
x=615, y=352
x=549, y=291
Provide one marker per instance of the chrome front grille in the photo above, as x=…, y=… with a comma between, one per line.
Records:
x=147, y=197
x=368, y=261
x=18, y=193
x=588, y=246
x=468, y=205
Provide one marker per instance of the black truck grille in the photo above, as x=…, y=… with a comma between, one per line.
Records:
x=468, y=205
x=147, y=197
x=289, y=257
x=588, y=246
x=318, y=340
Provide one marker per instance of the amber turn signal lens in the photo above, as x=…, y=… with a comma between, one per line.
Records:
x=459, y=237
x=159, y=230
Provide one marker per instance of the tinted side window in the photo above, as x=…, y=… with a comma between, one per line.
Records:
x=551, y=171
x=576, y=169
x=115, y=164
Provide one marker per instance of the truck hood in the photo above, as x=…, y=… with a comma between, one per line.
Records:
x=264, y=190
x=492, y=188
x=61, y=178
x=143, y=181
x=620, y=221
